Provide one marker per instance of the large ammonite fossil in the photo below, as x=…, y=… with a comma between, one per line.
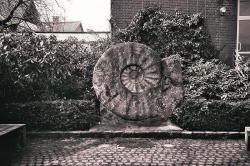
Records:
x=132, y=81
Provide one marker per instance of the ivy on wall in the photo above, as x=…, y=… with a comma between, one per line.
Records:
x=180, y=34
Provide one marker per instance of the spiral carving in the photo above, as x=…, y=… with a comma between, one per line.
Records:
x=128, y=81
x=137, y=80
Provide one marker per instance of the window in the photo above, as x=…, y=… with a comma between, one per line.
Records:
x=243, y=28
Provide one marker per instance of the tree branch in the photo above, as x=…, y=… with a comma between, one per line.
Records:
x=6, y=20
x=19, y=18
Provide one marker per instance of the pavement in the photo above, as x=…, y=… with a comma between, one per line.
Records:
x=131, y=151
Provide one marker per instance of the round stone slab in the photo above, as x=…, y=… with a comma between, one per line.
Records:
x=128, y=81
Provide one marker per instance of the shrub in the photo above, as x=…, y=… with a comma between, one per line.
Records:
x=213, y=80
x=180, y=34
x=214, y=115
x=52, y=115
x=216, y=98
x=100, y=46
x=36, y=67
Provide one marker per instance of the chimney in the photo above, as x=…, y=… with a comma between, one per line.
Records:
x=56, y=19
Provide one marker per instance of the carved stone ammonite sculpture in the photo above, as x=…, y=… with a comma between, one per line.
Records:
x=134, y=83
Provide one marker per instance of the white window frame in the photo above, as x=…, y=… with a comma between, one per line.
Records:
x=238, y=44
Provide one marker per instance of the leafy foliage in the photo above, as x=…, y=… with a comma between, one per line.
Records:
x=180, y=34
x=52, y=115
x=47, y=83
x=213, y=115
x=242, y=65
x=213, y=80
x=216, y=98
x=36, y=67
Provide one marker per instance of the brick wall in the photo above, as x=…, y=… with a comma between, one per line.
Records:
x=223, y=29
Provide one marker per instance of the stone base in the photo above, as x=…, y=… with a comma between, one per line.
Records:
x=112, y=122
x=167, y=126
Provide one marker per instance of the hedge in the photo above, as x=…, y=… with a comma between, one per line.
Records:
x=194, y=115
x=52, y=115
x=214, y=115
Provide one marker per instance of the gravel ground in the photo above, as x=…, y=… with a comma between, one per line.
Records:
x=131, y=151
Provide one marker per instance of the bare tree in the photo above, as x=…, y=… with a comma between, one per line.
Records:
x=28, y=13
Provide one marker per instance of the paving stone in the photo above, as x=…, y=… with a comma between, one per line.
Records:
x=86, y=151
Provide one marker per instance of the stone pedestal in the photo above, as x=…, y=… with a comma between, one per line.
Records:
x=136, y=87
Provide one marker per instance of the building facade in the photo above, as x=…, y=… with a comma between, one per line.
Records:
x=228, y=21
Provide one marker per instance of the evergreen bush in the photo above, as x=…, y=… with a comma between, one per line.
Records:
x=181, y=34
x=212, y=115
x=213, y=80
x=34, y=67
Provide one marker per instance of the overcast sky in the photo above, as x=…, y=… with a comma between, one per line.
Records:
x=94, y=14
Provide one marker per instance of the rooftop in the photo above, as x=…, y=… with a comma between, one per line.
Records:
x=67, y=26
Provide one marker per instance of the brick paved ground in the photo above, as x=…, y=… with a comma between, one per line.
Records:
x=132, y=151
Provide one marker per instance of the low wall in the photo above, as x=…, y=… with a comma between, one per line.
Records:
x=87, y=36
